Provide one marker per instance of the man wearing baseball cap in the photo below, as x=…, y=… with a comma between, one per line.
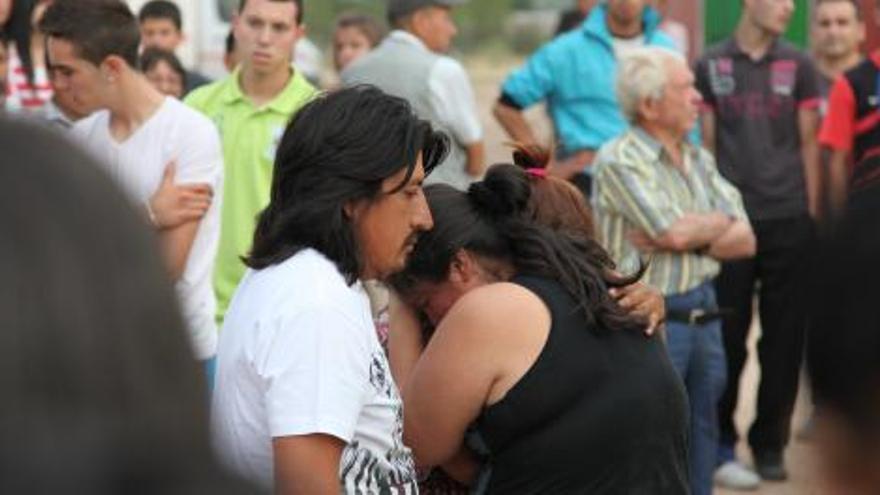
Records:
x=411, y=64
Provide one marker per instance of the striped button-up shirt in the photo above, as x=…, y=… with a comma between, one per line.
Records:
x=638, y=188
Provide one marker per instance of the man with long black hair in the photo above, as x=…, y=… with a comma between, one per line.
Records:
x=305, y=400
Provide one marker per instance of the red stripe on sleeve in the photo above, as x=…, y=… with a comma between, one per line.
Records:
x=838, y=128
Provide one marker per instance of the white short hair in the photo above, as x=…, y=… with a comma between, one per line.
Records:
x=643, y=74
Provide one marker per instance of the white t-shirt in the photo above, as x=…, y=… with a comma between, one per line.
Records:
x=623, y=46
x=175, y=132
x=298, y=355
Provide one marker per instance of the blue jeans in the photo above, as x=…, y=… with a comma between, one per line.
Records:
x=697, y=353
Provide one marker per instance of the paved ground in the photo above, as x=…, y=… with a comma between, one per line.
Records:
x=487, y=74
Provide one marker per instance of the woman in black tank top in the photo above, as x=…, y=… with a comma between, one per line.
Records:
x=565, y=393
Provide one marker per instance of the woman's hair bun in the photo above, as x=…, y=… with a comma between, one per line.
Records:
x=504, y=192
x=528, y=156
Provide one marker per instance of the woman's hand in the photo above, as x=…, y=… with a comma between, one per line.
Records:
x=642, y=300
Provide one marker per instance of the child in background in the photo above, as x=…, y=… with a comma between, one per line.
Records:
x=164, y=70
x=354, y=36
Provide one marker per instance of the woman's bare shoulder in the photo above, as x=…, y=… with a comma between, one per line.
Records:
x=500, y=307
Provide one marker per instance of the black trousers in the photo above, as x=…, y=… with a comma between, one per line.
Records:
x=778, y=267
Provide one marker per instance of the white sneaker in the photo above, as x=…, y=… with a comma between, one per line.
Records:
x=735, y=476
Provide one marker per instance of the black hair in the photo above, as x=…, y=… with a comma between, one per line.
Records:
x=151, y=57
x=18, y=30
x=843, y=336
x=230, y=42
x=366, y=24
x=96, y=28
x=491, y=220
x=161, y=9
x=101, y=390
x=299, y=8
x=339, y=148
x=856, y=5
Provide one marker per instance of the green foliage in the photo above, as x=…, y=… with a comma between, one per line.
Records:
x=722, y=16
x=526, y=40
x=479, y=21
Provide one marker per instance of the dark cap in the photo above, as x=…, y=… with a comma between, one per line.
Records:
x=398, y=8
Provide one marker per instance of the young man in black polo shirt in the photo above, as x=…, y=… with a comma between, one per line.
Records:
x=852, y=129
x=761, y=119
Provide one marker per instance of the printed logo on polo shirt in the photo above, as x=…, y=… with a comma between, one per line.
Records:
x=721, y=76
x=782, y=76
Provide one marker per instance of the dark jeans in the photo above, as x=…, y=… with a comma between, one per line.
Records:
x=697, y=354
x=779, y=266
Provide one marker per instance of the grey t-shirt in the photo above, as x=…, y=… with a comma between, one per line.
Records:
x=756, y=104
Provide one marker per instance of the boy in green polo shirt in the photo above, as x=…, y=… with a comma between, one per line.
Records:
x=251, y=108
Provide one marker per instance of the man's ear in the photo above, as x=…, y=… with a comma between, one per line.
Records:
x=648, y=108
x=352, y=209
x=415, y=22
x=112, y=67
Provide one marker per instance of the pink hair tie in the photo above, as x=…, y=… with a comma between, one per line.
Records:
x=537, y=172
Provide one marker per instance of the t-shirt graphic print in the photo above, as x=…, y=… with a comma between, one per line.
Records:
x=365, y=470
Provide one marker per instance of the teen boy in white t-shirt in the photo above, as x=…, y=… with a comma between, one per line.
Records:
x=92, y=47
x=305, y=401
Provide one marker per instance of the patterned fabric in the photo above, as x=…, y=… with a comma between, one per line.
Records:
x=756, y=105
x=23, y=95
x=637, y=188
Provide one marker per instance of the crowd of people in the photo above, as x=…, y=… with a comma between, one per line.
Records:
x=367, y=307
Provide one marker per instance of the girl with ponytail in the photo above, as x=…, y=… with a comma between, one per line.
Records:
x=533, y=350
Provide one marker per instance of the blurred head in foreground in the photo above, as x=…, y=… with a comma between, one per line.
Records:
x=843, y=354
x=100, y=391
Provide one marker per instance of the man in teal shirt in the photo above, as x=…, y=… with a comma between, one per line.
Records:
x=251, y=108
x=574, y=74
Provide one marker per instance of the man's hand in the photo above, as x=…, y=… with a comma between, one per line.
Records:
x=642, y=300
x=173, y=205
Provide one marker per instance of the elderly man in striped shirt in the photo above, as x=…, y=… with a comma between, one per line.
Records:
x=658, y=197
